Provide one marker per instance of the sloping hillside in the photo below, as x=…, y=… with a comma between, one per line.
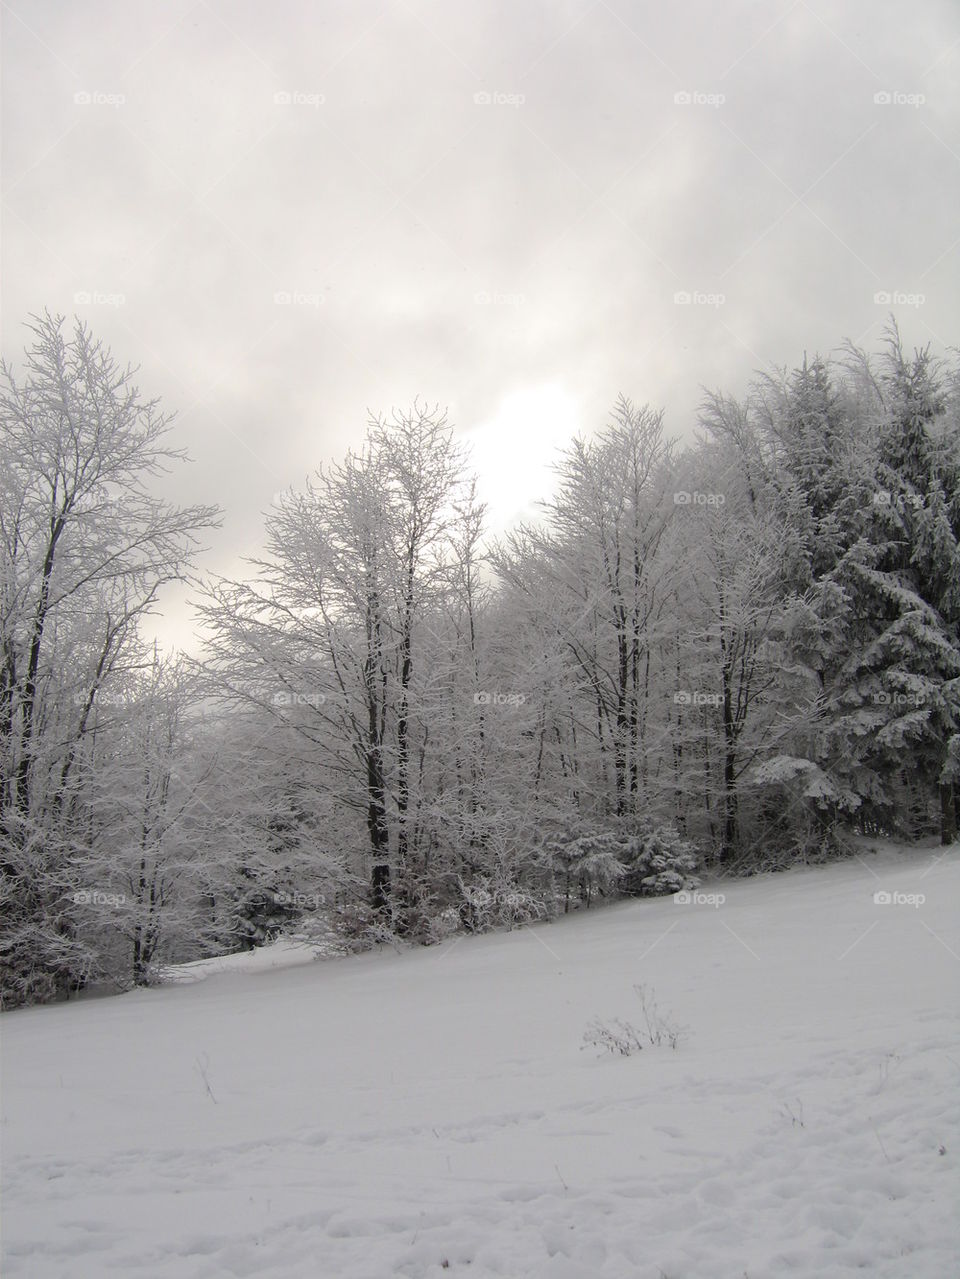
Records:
x=436, y=1113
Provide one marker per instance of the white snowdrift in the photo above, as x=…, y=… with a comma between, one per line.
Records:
x=433, y=1113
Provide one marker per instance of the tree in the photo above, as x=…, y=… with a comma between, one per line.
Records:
x=336, y=633
x=913, y=577
x=863, y=467
x=732, y=555
x=595, y=571
x=84, y=549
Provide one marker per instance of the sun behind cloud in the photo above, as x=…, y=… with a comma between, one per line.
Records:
x=513, y=452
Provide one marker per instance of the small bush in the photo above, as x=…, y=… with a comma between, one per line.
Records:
x=660, y=1027
x=489, y=902
x=359, y=927
x=617, y=1036
x=658, y=861
x=624, y=1039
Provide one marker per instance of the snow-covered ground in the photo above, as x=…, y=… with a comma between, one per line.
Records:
x=434, y=1112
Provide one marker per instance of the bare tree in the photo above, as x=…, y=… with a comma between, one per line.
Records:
x=338, y=623
x=84, y=549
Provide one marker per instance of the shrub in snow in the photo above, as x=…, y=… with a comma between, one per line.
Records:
x=442, y=925
x=660, y=1027
x=259, y=913
x=617, y=1036
x=638, y=858
x=795, y=1116
x=587, y=864
x=39, y=963
x=358, y=926
x=623, y=1038
x=657, y=861
x=488, y=902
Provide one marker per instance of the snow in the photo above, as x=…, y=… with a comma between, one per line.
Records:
x=283, y=953
x=434, y=1112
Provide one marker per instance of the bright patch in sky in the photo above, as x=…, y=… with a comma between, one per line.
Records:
x=513, y=452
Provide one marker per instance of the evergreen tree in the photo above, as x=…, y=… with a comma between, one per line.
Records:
x=871, y=628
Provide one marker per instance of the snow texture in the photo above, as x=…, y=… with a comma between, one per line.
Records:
x=434, y=1113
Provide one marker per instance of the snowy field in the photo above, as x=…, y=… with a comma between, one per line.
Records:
x=435, y=1113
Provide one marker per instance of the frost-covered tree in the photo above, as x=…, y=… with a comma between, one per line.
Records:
x=593, y=570
x=343, y=632
x=84, y=548
x=732, y=554
x=867, y=640
x=911, y=577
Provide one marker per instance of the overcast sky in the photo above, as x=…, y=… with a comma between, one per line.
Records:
x=289, y=213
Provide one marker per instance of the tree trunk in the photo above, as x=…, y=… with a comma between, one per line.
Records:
x=380, y=879
x=380, y=885
x=948, y=813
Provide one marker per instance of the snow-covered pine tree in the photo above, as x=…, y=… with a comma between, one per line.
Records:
x=820, y=455
x=911, y=577
x=587, y=863
x=870, y=630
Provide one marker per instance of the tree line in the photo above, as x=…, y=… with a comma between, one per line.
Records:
x=720, y=657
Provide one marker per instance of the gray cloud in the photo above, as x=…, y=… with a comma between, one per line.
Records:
x=468, y=250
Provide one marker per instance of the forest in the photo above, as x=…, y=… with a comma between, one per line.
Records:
x=711, y=656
